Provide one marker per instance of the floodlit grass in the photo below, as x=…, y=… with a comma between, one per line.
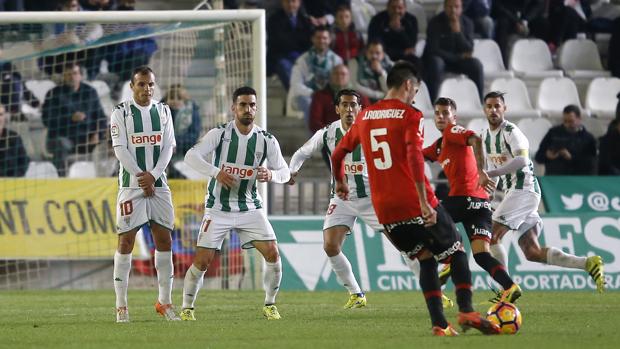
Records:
x=231, y=319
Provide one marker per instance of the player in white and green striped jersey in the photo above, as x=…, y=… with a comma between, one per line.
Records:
x=142, y=134
x=242, y=153
x=507, y=156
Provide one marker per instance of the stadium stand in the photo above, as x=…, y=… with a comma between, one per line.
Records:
x=535, y=129
x=555, y=94
x=487, y=51
x=531, y=61
x=517, y=98
x=41, y=169
x=423, y=101
x=465, y=94
x=82, y=169
x=581, y=61
x=601, y=97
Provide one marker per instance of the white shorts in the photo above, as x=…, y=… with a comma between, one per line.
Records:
x=519, y=211
x=133, y=209
x=341, y=212
x=250, y=225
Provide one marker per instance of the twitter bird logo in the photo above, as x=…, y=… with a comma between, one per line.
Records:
x=573, y=202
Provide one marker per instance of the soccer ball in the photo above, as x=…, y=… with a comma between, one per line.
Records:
x=506, y=316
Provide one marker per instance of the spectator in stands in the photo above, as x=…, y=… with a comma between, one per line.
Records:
x=613, y=52
x=449, y=47
x=11, y=5
x=521, y=18
x=568, y=149
x=369, y=71
x=186, y=117
x=73, y=116
x=322, y=12
x=479, y=11
x=38, y=5
x=97, y=5
x=288, y=36
x=609, y=156
x=567, y=18
x=348, y=43
x=397, y=30
x=312, y=70
x=13, y=157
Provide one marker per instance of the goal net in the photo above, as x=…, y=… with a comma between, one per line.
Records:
x=62, y=75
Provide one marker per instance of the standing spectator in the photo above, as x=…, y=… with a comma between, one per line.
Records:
x=449, y=47
x=520, y=18
x=185, y=117
x=568, y=149
x=312, y=70
x=288, y=36
x=322, y=12
x=13, y=157
x=567, y=18
x=73, y=116
x=479, y=11
x=609, y=156
x=397, y=30
x=347, y=42
x=369, y=71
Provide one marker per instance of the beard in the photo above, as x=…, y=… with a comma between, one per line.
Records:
x=246, y=121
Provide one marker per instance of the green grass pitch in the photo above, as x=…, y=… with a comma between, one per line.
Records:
x=233, y=319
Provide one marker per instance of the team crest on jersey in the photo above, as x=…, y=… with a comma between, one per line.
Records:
x=239, y=171
x=353, y=168
x=497, y=159
x=258, y=156
x=458, y=129
x=146, y=138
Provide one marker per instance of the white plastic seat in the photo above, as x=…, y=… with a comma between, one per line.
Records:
x=580, y=58
x=103, y=91
x=465, y=93
x=82, y=169
x=555, y=94
x=535, y=130
x=430, y=131
x=23, y=130
x=601, y=97
x=41, y=169
x=477, y=125
x=423, y=101
x=516, y=97
x=530, y=58
x=40, y=88
x=488, y=53
x=291, y=111
x=597, y=127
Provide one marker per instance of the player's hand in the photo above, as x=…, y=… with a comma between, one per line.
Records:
x=78, y=116
x=145, y=179
x=428, y=214
x=149, y=191
x=551, y=154
x=342, y=190
x=292, y=180
x=264, y=174
x=485, y=182
x=565, y=154
x=226, y=179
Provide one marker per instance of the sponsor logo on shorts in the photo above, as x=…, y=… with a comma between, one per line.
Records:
x=416, y=220
x=449, y=252
x=413, y=253
x=477, y=205
x=482, y=232
x=354, y=168
x=150, y=138
x=239, y=171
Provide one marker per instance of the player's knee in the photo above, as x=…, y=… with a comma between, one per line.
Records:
x=331, y=249
x=533, y=254
x=163, y=243
x=125, y=244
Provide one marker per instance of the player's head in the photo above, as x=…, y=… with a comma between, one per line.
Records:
x=445, y=112
x=321, y=39
x=404, y=78
x=244, y=105
x=348, y=103
x=142, y=85
x=494, y=107
x=571, y=118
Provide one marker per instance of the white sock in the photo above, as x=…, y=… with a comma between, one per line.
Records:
x=343, y=270
x=122, y=266
x=413, y=264
x=499, y=252
x=272, y=276
x=191, y=285
x=558, y=257
x=165, y=275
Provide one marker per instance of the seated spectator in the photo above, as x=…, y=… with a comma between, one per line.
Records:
x=521, y=18
x=13, y=92
x=322, y=12
x=613, y=53
x=568, y=149
x=479, y=12
x=73, y=116
x=567, y=18
x=449, y=47
x=97, y=5
x=288, y=36
x=13, y=157
x=397, y=30
x=347, y=42
x=312, y=70
x=609, y=156
x=369, y=71
x=185, y=116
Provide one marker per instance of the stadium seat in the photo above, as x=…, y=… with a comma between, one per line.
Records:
x=103, y=91
x=580, y=58
x=291, y=111
x=41, y=169
x=597, y=127
x=419, y=47
x=477, y=125
x=517, y=99
x=23, y=130
x=465, y=94
x=82, y=169
x=362, y=12
x=535, y=130
x=530, y=59
x=40, y=88
x=555, y=94
x=431, y=133
x=126, y=93
x=601, y=97
x=487, y=51
x=423, y=101
x=187, y=171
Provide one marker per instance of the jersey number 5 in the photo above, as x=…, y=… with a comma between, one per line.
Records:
x=383, y=146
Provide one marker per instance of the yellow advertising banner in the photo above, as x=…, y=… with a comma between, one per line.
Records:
x=72, y=218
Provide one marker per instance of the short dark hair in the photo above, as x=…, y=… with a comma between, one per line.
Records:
x=571, y=108
x=141, y=70
x=374, y=42
x=347, y=92
x=243, y=91
x=401, y=72
x=320, y=28
x=494, y=94
x=445, y=101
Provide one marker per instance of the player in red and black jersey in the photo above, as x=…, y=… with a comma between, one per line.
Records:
x=460, y=154
x=405, y=204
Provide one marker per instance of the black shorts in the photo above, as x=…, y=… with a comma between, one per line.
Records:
x=411, y=236
x=474, y=213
